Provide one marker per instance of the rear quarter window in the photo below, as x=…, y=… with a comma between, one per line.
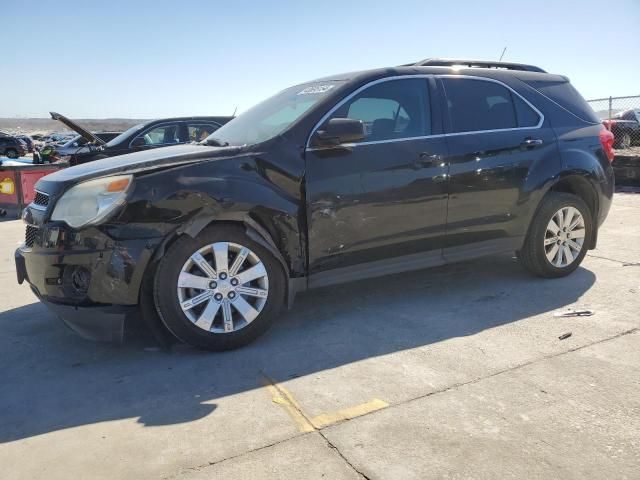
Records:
x=565, y=95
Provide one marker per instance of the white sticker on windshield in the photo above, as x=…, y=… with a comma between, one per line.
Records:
x=316, y=89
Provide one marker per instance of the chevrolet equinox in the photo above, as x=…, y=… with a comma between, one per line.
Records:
x=347, y=177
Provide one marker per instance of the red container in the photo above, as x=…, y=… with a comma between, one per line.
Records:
x=17, y=185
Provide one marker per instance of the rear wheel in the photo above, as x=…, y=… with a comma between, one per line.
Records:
x=11, y=153
x=220, y=290
x=557, y=241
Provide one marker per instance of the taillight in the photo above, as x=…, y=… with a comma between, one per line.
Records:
x=607, y=138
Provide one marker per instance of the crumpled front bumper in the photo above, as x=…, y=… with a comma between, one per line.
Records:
x=88, y=280
x=102, y=323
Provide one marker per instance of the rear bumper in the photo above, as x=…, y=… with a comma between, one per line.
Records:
x=607, y=188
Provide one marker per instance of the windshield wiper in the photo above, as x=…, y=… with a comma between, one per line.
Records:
x=213, y=142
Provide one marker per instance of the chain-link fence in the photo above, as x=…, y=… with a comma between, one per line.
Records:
x=622, y=116
x=611, y=107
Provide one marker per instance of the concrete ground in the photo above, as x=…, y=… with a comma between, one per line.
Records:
x=455, y=372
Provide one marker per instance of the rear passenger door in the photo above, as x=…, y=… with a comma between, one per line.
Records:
x=497, y=141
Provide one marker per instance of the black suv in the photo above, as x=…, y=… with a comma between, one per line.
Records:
x=12, y=147
x=145, y=136
x=347, y=177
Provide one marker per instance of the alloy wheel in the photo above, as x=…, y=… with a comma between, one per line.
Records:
x=223, y=287
x=564, y=237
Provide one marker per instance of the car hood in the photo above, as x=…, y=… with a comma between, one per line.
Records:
x=133, y=163
x=90, y=137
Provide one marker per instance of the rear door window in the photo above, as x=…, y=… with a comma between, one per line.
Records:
x=477, y=105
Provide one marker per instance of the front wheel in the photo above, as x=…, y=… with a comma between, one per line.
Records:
x=558, y=237
x=218, y=291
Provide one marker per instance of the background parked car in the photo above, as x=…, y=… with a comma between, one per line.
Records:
x=28, y=141
x=12, y=147
x=152, y=134
x=626, y=128
x=58, y=138
x=79, y=144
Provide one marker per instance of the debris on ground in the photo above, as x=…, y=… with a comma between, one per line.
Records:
x=574, y=313
x=565, y=335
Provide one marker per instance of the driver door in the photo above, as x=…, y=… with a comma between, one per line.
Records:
x=378, y=205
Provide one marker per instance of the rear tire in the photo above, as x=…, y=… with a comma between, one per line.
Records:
x=549, y=253
x=11, y=153
x=213, y=305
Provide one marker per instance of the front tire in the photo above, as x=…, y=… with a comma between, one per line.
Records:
x=558, y=236
x=220, y=290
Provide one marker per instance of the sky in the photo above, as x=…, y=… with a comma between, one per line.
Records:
x=149, y=59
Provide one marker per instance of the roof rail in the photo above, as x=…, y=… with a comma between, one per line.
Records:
x=449, y=62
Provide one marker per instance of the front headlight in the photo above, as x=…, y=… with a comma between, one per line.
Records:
x=93, y=201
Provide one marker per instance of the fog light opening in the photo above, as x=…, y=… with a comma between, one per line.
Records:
x=80, y=280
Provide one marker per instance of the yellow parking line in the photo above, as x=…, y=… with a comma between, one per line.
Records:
x=281, y=396
x=326, y=419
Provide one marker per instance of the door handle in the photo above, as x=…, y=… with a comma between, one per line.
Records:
x=531, y=142
x=426, y=159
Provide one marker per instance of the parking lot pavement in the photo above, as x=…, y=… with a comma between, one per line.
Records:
x=451, y=372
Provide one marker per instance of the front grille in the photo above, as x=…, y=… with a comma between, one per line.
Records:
x=30, y=235
x=41, y=199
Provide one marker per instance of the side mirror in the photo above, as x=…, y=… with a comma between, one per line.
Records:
x=138, y=142
x=338, y=131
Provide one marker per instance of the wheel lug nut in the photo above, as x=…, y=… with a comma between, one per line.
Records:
x=218, y=297
x=223, y=276
x=232, y=294
x=234, y=281
x=213, y=284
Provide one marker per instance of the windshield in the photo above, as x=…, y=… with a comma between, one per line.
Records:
x=125, y=134
x=272, y=116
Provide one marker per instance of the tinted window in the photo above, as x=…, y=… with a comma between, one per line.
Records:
x=392, y=109
x=563, y=93
x=479, y=105
x=527, y=117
